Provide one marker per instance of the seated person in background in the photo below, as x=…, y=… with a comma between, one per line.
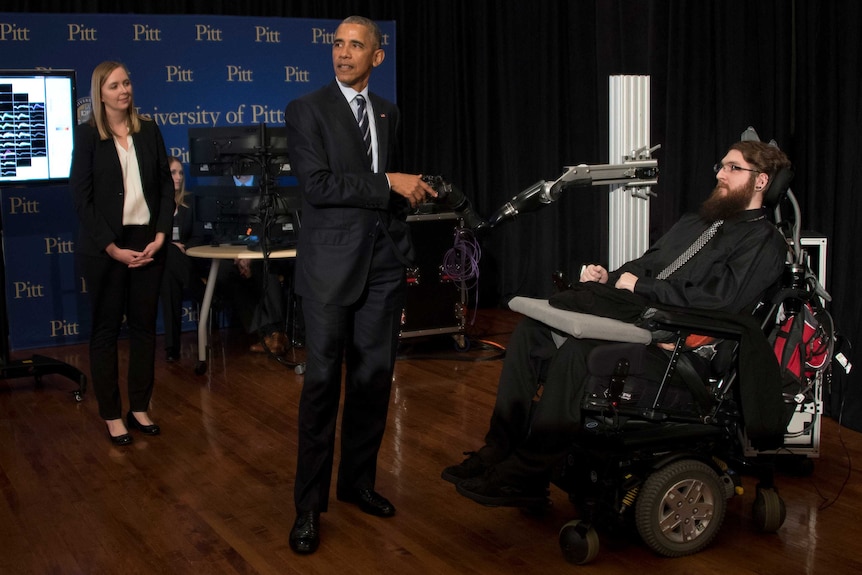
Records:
x=181, y=272
x=537, y=410
x=256, y=294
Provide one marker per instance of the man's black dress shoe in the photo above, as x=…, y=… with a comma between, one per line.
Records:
x=368, y=501
x=133, y=423
x=305, y=535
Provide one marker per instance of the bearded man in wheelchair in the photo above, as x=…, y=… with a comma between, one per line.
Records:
x=722, y=259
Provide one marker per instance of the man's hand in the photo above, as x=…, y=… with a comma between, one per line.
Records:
x=411, y=186
x=244, y=267
x=627, y=281
x=594, y=273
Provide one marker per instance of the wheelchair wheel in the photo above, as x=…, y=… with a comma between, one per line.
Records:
x=579, y=542
x=680, y=508
x=768, y=510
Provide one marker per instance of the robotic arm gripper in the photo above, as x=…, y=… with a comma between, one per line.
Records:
x=637, y=171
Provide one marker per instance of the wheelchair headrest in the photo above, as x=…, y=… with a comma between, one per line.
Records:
x=778, y=187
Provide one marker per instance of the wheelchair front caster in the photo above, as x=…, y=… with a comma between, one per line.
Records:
x=579, y=542
x=462, y=343
x=768, y=510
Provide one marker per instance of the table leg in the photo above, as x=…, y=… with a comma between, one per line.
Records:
x=203, y=322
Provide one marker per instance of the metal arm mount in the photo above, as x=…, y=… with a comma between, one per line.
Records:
x=641, y=171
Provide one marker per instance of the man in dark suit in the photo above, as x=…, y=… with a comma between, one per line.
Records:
x=350, y=273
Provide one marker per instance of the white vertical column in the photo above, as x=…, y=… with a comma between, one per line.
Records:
x=628, y=214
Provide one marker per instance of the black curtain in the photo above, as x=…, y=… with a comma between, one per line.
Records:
x=827, y=106
x=498, y=95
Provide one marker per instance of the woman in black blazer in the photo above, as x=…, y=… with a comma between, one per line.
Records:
x=181, y=273
x=123, y=195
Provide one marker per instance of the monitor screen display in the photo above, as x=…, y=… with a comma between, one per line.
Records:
x=223, y=150
x=37, y=121
x=275, y=140
x=238, y=150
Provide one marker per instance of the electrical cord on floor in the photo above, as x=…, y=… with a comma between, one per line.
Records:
x=841, y=357
x=826, y=501
x=461, y=355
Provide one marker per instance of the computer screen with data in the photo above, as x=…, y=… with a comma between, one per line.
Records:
x=37, y=123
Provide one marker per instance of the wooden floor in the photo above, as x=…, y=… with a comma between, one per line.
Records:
x=213, y=493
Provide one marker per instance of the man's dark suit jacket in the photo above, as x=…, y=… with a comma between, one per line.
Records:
x=97, y=186
x=343, y=201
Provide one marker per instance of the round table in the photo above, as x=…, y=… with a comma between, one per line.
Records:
x=217, y=254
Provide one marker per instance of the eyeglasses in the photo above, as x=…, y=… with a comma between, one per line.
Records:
x=733, y=168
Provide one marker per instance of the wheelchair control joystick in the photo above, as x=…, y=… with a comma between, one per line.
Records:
x=618, y=381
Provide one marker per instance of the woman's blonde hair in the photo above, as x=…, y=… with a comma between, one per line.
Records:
x=97, y=116
x=181, y=194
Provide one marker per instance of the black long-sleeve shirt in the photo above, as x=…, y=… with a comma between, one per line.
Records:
x=745, y=257
x=728, y=276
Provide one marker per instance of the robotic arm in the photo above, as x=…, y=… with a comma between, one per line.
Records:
x=640, y=171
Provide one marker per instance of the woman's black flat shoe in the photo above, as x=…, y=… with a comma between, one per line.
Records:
x=133, y=423
x=123, y=439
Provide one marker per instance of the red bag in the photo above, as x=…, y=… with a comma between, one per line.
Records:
x=801, y=344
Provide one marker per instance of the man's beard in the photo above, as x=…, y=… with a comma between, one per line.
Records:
x=722, y=207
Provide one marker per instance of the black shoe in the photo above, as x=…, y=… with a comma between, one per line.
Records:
x=489, y=491
x=368, y=501
x=133, y=423
x=123, y=439
x=305, y=535
x=471, y=467
x=172, y=355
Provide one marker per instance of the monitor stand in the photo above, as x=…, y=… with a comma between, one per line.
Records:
x=39, y=365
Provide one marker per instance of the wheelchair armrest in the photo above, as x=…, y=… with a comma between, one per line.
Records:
x=579, y=325
x=675, y=320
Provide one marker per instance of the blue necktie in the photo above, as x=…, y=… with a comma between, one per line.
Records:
x=364, y=126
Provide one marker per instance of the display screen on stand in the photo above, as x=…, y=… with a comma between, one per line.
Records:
x=37, y=121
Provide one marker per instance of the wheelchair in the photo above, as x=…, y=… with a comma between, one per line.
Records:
x=664, y=457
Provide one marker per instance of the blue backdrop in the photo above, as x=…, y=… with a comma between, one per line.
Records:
x=187, y=72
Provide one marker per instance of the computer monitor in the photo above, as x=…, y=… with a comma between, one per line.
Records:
x=232, y=214
x=238, y=150
x=37, y=125
x=223, y=150
x=275, y=140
